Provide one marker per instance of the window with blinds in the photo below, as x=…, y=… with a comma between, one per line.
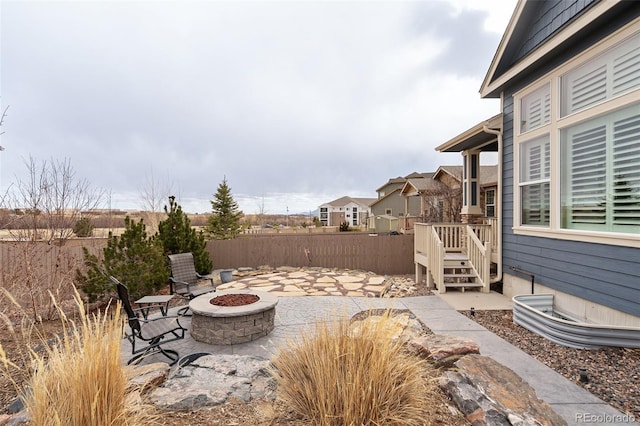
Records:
x=535, y=165
x=535, y=109
x=578, y=170
x=612, y=74
x=600, y=188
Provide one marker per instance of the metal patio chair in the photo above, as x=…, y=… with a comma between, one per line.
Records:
x=148, y=334
x=184, y=280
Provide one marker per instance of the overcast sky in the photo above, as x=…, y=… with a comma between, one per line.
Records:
x=295, y=102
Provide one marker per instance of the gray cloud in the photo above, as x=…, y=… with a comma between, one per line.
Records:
x=298, y=98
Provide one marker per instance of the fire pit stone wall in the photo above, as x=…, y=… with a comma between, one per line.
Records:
x=230, y=325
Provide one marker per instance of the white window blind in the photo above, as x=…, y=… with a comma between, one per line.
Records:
x=587, y=176
x=535, y=163
x=626, y=171
x=614, y=73
x=601, y=177
x=535, y=110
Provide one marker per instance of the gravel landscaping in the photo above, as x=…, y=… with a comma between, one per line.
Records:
x=613, y=373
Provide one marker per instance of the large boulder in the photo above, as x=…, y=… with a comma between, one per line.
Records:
x=212, y=379
x=443, y=350
x=404, y=327
x=488, y=393
x=143, y=378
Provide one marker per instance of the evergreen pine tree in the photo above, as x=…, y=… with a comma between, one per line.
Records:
x=133, y=258
x=177, y=236
x=224, y=222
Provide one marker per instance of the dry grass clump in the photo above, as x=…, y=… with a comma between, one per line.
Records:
x=80, y=379
x=337, y=377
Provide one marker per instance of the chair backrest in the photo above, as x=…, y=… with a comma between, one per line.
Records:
x=123, y=294
x=183, y=268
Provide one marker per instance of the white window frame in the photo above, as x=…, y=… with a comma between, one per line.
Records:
x=488, y=204
x=554, y=129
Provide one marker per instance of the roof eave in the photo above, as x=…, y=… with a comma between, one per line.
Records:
x=461, y=142
x=492, y=85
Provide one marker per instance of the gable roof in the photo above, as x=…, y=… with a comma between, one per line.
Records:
x=343, y=201
x=401, y=180
x=488, y=174
x=519, y=50
x=387, y=195
x=418, y=186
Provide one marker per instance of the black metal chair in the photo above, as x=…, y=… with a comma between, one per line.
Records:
x=150, y=333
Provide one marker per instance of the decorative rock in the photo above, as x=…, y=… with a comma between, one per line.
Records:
x=488, y=393
x=401, y=327
x=352, y=286
x=16, y=406
x=146, y=377
x=399, y=287
x=443, y=349
x=212, y=379
x=348, y=279
x=21, y=418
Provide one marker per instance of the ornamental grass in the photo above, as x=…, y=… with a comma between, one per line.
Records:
x=334, y=376
x=79, y=379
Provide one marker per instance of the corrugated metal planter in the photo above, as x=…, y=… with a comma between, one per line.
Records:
x=536, y=313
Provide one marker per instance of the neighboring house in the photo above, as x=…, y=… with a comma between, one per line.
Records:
x=441, y=195
x=354, y=211
x=391, y=203
x=568, y=142
x=383, y=223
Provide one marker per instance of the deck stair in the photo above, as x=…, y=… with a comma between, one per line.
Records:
x=453, y=256
x=458, y=272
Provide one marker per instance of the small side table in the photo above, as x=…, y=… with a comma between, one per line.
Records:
x=148, y=302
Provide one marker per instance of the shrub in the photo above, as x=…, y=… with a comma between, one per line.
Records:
x=177, y=236
x=133, y=258
x=344, y=227
x=83, y=227
x=337, y=377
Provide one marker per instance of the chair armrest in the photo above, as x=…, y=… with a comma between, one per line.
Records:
x=168, y=321
x=205, y=277
x=173, y=282
x=144, y=310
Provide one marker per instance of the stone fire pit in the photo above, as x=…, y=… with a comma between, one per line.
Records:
x=229, y=325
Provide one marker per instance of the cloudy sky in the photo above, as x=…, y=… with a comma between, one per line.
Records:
x=295, y=102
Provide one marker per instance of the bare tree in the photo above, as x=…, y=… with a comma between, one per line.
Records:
x=154, y=195
x=442, y=204
x=3, y=196
x=53, y=199
x=46, y=206
x=261, y=212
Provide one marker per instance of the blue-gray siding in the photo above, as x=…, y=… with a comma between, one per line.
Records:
x=605, y=274
x=547, y=18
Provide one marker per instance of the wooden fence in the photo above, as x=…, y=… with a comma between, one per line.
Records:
x=382, y=254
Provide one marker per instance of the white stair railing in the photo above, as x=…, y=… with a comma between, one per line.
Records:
x=436, y=260
x=479, y=258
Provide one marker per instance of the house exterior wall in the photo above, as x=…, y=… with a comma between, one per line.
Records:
x=389, y=188
x=601, y=274
x=395, y=203
x=335, y=215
